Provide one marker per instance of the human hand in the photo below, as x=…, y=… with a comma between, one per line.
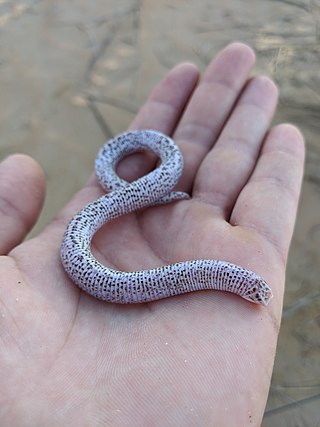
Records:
x=203, y=358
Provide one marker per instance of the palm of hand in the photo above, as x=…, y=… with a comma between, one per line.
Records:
x=198, y=359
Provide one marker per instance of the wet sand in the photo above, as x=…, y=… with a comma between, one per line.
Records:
x=72, y=74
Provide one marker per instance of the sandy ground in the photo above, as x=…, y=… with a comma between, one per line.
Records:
x=73, y=73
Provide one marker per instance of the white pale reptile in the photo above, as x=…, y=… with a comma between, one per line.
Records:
x=152, y=189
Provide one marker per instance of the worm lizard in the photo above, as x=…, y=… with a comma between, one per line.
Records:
x=122, y=197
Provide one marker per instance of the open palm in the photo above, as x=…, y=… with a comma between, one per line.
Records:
x=200, y=359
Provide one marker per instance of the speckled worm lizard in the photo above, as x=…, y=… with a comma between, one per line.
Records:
x=122, y=197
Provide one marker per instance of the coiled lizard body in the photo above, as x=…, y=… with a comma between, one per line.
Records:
x=152, y=189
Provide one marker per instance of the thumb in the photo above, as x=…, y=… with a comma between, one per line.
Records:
x=22, y=191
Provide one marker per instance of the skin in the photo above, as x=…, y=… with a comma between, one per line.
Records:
x=202, y=359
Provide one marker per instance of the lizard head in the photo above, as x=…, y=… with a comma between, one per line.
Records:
x=258, y=291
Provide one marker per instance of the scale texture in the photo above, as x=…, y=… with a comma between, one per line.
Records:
x=152, y=189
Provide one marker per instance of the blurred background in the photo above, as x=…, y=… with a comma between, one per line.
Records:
x=75, y=72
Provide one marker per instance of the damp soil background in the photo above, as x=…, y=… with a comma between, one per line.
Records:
x=74, y=73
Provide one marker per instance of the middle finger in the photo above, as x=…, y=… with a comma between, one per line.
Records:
x=210, y=105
